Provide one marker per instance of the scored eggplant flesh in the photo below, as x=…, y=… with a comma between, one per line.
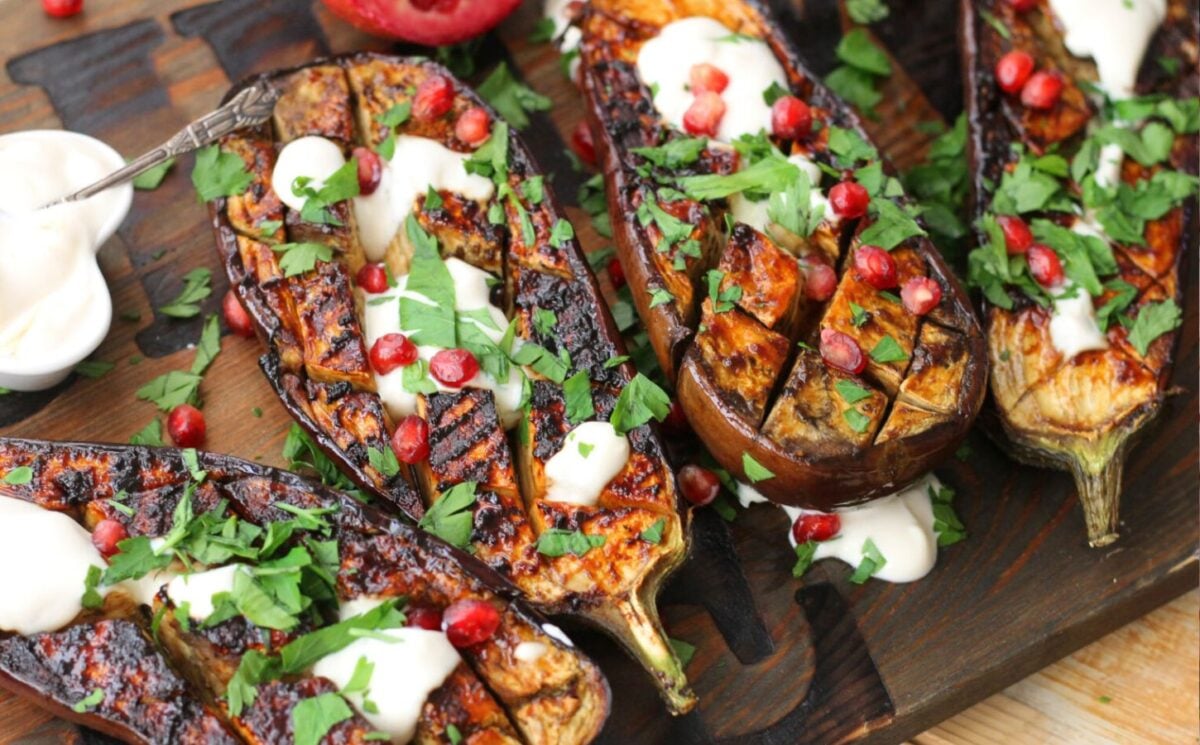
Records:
x=316, y=363
x=740, y=350
x=166, y=683
x=1083, y=413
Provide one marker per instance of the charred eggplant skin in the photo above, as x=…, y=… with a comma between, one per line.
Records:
x=1131, y=386
x=380, y=554
x=622, y=117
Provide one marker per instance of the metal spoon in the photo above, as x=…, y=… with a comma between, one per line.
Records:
x=252, y=105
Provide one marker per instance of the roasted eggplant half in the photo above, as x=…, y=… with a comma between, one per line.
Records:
x=1084, y=199
x=183, y=597
x=820, y=347
x=431, y=321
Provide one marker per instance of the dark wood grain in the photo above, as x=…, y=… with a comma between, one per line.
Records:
x=777, y=660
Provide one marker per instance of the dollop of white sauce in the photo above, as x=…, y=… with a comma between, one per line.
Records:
x=530, y=651
x=1114, y=33
x=667, y=59
x=1073, y=326
x=198, y=588
x=382, y=316
x=417, y=164
x=54, y=304
x=592, y=454
x=755, y=213
x=1108, y=166
x=410, y=664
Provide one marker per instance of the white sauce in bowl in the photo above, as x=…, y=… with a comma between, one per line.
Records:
x=55, y=308
x=593, y=453
x=666, y=62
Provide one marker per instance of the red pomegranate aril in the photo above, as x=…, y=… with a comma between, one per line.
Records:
x=921, y=295
x=1013, y=70
x=186, y=427
x=1023, y=6
x=434, y=97
x=876, y=267
x=849, y=199
x=423, y=617
x=236, y=317
x=453, y=367
x=410, y=442
x=791, y=119
x=698, y=485
x=704, y=116
x=370, y=170
x=582, y=143
x=473, y=126
x=62, y=8
x=1044, y=265
x=372, y=278
x=676, y=421
x=1017, y=237
x=842, y=351
x=1042, y=90
x=820, y=282
x=469, y=622
x=816, y=526
x=616, y=273
x=106, y=535
x=391, y=351
x=707, y=78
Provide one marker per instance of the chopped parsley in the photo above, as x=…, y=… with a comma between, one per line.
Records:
x=577, y=391
x=339, y=186
x=1154, y=320
x=300, y=258
x=219, y=174
x=89, y=702
x=723, y=300
x=872, y=561
x=93, y=368
x=640, y=401
x=946, y=525
x=558, y=542
x=754, y=470
x=805, y=552
x=196, y=287
x=312, y=718
x=653, y=534
x=512, y=98
x=450, y=517
x=888, y=350
x=866, y=11
x=149, y=179
x=683, y=650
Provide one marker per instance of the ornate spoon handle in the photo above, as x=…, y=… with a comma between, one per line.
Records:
x=251, y=106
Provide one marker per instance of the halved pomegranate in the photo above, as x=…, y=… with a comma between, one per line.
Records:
x=430, y=22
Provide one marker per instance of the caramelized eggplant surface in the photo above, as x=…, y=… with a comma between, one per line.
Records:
x=237, y=603
x=431, y=321
x=788, y=291
x=1101, y=180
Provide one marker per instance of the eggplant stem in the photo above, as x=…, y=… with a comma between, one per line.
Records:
x=636, y=625
x=1100, y=497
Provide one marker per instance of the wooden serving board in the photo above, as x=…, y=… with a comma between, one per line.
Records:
x=778, y=660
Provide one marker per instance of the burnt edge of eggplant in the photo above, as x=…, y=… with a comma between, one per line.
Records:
x=875, y=471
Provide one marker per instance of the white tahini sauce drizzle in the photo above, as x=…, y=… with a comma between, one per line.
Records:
x=568, y=36
x=198, y=588
x=557, y=634
x=900, y=526
x=755, y=213
x=530, y=651
x=382, y=316
x=1073, y=326
x=593, y=453
x=54, y=305
x=417, y=164
x=1114, y=33
x=667, y=60
x=410, y=664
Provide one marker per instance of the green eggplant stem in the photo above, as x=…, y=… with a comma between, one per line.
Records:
x=636, y=625
x=1099, y=486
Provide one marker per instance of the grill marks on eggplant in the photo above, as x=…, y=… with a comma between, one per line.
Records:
x=739, y=359
x=492, y=697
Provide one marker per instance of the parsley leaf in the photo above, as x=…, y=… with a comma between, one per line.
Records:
x=383, y=461
x=299, y=258
x=18, y=476
x=804, y=558
x=93, y=368
x=1124, y=297
x=683, y=650
x=450, y=517
x=850, y=391
x=857, y=50
x=428, y=277
x=561, y=233
x=640, y=401
x=510, y=97
x=872, y=562
x=559, y=542
x=1154, y=320
x=891, y=227
x=196, y=287
x=866, y=11
x=149, y=179
x=858, y=421
x=89, y=702
x=888, y=350
x=766, y=176
x=723, y=300
x=151, y=434
x=653, y=534
x=219, y=174
x=172, y=389
x=754, y=470
x=577, y=390
x=312, y=718
x=674, y=154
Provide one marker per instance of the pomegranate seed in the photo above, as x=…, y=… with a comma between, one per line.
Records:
x=411, y=440
x=676, y=422
x=372, y=278
x=842, y=351
x=391, y=351
x=370, y=170
x=820, y=282
x=1013, y=70
x=705, y=78
x=876, y=267
x=473, y=126
x=423, y=617
x=469, y=622
x=699, y=485
x=616, y=273
x=106, y=535
x=921, y=295
x=1044, y=265
x=816, y=526
x=849, y=199
x=236, y=317
x=1042, y=90
x=703, y=117
x=434, y=97
x=185, y=425
x=62, y=8
x=582, y=143
x=453, y=367
x=1023, y=6
x=791, y=119
x=1017, y=238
